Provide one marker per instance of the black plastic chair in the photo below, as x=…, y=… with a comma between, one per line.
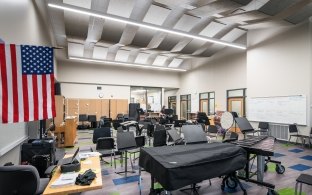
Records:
x=106, y=146
x=212, y=131
x=21, y=179
x=92, y=120
x=101, y=132
x=263, y=128
x=160, y=138
x=293, y=132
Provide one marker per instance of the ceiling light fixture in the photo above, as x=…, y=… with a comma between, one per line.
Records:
x=126, y=64
x=97, y=14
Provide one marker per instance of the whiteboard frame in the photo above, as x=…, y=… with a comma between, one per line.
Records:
x=274, y=122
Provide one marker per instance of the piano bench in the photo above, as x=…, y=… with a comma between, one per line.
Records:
x=303, y=179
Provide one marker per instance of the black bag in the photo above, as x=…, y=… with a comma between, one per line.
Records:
x=86, y=178
x=41, y=162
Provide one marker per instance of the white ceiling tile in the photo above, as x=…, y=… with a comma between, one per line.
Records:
x=156, y=15
x=100, y=53
x=122, y=55
x=141, y=58
x=175, y=63
x=233, y=35
x=212, y=29
x=79, y=3
x=186, y=23
x=160, y=60
x=75, y=50
x=121, y=8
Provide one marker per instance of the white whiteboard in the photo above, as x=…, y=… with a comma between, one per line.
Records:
x=284, y=109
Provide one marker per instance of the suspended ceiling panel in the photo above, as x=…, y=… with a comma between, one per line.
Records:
x=215, y=8
x=160, y=60
x=233, y=35
x=142, y=58
x=186, y=23
x=100, y=52
x=122, y=55
x=79, y=3
x=243, y=17
x=212, y=29
x=156, y=15
x=75, y=49
x=120, y=8
x=175, y=63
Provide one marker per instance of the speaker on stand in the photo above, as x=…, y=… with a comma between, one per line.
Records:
x=235, y=115
x=57, y=88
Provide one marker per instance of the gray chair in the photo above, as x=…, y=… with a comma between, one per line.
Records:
x=21, y=179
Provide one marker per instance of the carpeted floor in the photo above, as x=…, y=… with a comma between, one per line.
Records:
x=296, y=160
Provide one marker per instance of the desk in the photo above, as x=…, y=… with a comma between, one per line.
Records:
x=96, y=184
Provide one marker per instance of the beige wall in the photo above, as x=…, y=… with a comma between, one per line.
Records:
x=226, y=70
x=69, y=71
x=279, y=63
x=20, y=24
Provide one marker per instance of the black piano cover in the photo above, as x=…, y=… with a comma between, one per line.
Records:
x=178, y=166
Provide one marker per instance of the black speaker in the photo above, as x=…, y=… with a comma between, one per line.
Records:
x=57, y=89
x=133, y=113
x=235, y=115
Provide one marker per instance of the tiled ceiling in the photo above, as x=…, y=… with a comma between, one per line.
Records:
x=227, y=20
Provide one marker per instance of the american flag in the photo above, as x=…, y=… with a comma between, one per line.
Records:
x=27, y=83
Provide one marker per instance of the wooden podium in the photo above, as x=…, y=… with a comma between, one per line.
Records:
x=66, y=133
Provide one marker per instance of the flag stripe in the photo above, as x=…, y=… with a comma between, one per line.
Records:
x=44, y=96
x=52, y=95
x=35, y=97
x=4, y=84
x=30, y=97
x=19, y=85
x=40, y=105
x=9, y=82
x=14, y=83
x=25, y=98
x=49, y=101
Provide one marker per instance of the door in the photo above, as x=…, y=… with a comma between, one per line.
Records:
x=236, y=105
x=204, y=106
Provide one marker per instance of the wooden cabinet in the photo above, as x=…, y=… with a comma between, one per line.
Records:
x=59, y=110
x=70, y=132
x=66, y=133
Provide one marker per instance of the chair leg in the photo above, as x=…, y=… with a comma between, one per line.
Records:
x=288, y=140
x=296, y=188
x=111, y=160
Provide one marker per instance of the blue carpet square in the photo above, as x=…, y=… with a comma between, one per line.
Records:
x=125, y=180
x=300, y=167
x=237, y=189
x=296, y=150
x=276, y=155
x=308, y=157
x=105, y=172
